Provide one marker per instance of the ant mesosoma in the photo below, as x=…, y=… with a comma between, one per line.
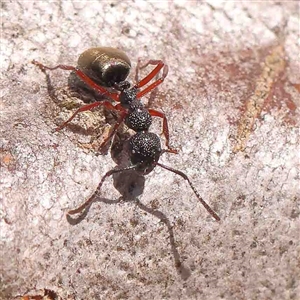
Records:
x=109, y=67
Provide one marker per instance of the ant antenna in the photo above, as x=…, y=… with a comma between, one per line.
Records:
x=97, y=192
x=114, y=171
x=184, y=176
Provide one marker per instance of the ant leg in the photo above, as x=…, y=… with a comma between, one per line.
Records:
x=114, y=129
x=160, y=65
x=106, y=104
x=138, y=67
x=184, y=176
x=97, y=192
x=156, y=113
x=85, y=78
x=154, y=91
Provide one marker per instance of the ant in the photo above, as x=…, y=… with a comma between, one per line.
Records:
x=105, y=67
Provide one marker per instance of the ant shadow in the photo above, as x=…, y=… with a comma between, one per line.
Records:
x=131, y=185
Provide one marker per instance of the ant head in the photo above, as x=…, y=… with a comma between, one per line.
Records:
x=144, y=151
x=127, y=95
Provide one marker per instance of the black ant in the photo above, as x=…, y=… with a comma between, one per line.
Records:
x=109, y=67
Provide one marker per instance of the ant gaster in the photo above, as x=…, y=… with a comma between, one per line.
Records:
x=109, y=67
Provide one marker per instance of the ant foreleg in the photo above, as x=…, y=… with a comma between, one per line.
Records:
x=159, y=65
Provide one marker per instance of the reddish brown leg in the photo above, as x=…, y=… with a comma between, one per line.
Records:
x=160, y=64
x=138, y=67
x=156, y=113
x=85, y=78
x=114, y=129
x=106, y=104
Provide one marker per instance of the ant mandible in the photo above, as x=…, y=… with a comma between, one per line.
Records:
x=109, y=67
